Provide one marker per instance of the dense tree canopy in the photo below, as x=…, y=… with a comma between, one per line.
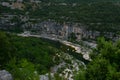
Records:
x=23, y=56
x=105, y=66
x=6, y=49
x=95, y=15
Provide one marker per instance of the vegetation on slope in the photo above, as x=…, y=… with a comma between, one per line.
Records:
x=100, y=16
x=28, y=57
x=23, y=56
x=105, y=64
x=77, y=1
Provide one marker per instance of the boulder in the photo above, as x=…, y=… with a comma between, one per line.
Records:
x=5, y=75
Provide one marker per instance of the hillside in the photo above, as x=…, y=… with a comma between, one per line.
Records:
x=79, y=1
x=60, y=39
x=97, y=16
x=93, y=19
x=36, y=58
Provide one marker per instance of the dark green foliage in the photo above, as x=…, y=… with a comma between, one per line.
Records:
x=36, y=51
x=80, y=75
x=105, y=66
x=97, y=70
x=23, y=56
x=77, y=1
x=72, y=37
x=57, y=77
x=96, y=16
x=22, y=70
x=109, y=51
x=6, y=49
x=100, y=15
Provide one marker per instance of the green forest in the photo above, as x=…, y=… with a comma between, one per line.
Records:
x=100, y=16
x=74, y=1
x=28, y=57
x=22, y=56
x=105, y=63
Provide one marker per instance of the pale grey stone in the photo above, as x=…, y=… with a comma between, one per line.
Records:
x=5, y=75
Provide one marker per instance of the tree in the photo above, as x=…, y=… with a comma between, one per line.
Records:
x=72, y=37
x=22, y=70
x=80, y=75
x=105, y=65
x=97, y=70
x=6, y=49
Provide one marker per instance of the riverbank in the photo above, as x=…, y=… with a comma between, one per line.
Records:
x=78, y=49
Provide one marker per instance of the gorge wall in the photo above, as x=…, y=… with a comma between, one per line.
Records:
x=65, y=31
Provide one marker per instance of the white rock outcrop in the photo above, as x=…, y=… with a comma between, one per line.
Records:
x=5, y=75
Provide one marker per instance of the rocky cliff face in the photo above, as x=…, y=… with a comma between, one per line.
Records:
x=66, y=30
x=54, y=29
x=51, y=28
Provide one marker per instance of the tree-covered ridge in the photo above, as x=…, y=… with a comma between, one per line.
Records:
x=88, y=13
x=97, y=16
x=78, y=1
x=69, y=1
